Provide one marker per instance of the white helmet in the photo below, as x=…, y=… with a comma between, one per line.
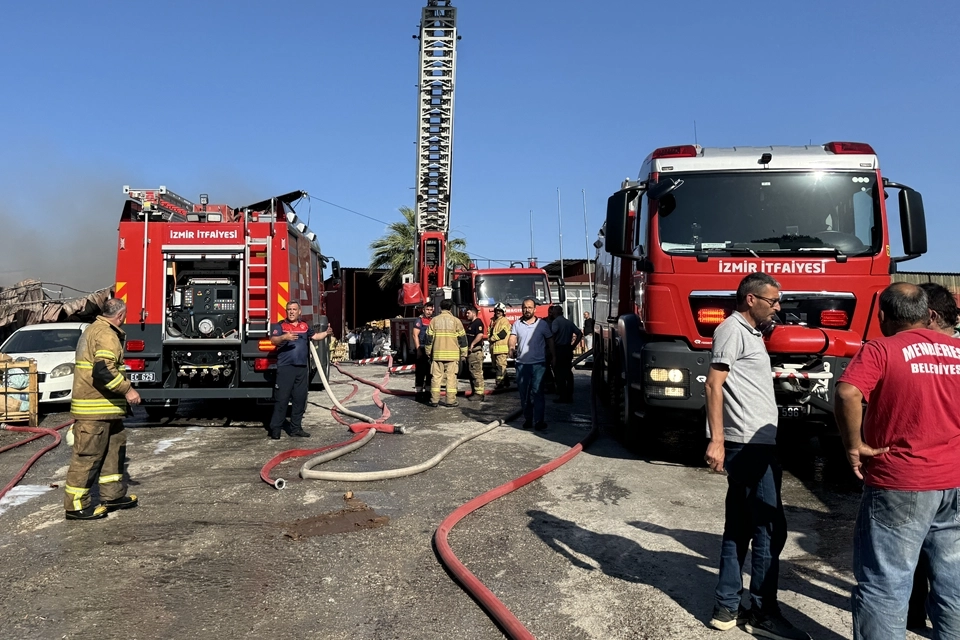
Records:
x=500, y=307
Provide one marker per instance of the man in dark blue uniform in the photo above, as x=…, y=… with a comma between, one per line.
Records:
x=293, y=373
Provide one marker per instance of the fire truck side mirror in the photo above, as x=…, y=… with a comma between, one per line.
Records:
x=617, y=237
x=657, y=190
x=335, y=269
x=457, y=294
x=912, y=223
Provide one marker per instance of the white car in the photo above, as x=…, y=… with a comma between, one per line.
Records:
x=54, y=347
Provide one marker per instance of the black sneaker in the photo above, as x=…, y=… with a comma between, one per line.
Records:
x=433, y=404
x=274, y=435
x=772, y=624
x=540, y=426
x=126, y=502
x=527, y=424
x=724, y=619
x=299, y=433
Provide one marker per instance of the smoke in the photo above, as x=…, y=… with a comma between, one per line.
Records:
x=58, y=223
x=62, y=233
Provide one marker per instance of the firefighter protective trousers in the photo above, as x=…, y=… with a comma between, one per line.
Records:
x=99, y=451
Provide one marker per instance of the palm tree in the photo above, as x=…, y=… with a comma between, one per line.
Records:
x=394, y=251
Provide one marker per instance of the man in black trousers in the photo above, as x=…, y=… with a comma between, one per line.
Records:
x=293, y=370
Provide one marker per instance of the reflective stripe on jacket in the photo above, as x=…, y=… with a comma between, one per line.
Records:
x=499, y=335
x=446, y=339
x=99, y=385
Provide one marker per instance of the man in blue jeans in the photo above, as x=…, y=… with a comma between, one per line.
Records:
x=742, y=427
x=531, y=344
x=908, y=455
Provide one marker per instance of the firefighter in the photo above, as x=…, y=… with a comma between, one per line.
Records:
x=293, y=371
x=101, y=395
x=475, y=353
x=446, y=346
x=422, y=367
x=499, y=337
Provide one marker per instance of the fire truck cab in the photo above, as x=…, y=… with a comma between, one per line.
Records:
x=678, y=240
x=483, y=288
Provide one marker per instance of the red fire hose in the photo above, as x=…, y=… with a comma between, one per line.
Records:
x=513, y=628
x=40, y=431
x=362, y=429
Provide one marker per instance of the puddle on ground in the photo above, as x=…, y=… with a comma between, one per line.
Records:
x=354, y=517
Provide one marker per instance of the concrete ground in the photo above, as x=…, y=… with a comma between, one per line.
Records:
x=615, y=544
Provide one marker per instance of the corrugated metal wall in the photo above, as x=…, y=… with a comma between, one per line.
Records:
x=949, y=280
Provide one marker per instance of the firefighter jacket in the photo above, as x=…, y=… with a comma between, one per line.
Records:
x=99, y=387
x=446, y=339
x=499, y=335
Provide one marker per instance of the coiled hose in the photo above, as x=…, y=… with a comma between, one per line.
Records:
x=307, y=472
x=364, y=433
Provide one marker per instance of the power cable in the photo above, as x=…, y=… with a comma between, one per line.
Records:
x=334, y=204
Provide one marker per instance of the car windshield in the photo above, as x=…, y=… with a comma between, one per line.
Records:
x=511, y=289
x=772, y=212
x=42, y=341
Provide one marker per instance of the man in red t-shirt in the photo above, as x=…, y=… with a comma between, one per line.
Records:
x=909, y=458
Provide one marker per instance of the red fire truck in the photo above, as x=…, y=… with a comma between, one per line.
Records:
x=677, y=242
x=202, y=283
x=483, y=288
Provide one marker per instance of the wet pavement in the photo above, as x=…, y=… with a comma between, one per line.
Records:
x=621, y=542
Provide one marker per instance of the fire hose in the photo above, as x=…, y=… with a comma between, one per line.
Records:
x=491, y=604
x=307, y=472
x=512, y=626
x=41, y=432
x=364, y=433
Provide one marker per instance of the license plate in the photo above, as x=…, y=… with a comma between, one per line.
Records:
x=791, y=412
x=142, y=376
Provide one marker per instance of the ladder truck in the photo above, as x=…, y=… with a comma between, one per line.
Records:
x=469, y=286
x=202, y=284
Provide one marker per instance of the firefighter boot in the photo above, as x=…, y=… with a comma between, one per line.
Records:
x=90, y=513
x=126, y=502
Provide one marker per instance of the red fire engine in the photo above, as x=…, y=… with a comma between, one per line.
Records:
x=202, y=284
x=678, y=241
x=480, y=287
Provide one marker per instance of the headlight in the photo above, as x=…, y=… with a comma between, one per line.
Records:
x=65, y=369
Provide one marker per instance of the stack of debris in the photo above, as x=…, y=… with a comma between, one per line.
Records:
x=33, y=302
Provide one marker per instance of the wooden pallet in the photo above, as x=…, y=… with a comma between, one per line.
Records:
x=30, y=415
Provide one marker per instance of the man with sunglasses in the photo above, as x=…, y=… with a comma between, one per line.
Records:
x=742, y=427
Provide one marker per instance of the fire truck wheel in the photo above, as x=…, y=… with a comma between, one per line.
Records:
x=404, y=351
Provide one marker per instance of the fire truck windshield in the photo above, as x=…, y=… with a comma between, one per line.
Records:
x=511, y=289
x=772, y=212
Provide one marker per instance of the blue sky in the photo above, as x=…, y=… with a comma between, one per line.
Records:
x=244, y=100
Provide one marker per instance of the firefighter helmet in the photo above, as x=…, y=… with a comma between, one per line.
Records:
x=500, y=307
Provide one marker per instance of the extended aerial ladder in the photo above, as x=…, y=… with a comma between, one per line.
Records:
x=438, y=70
